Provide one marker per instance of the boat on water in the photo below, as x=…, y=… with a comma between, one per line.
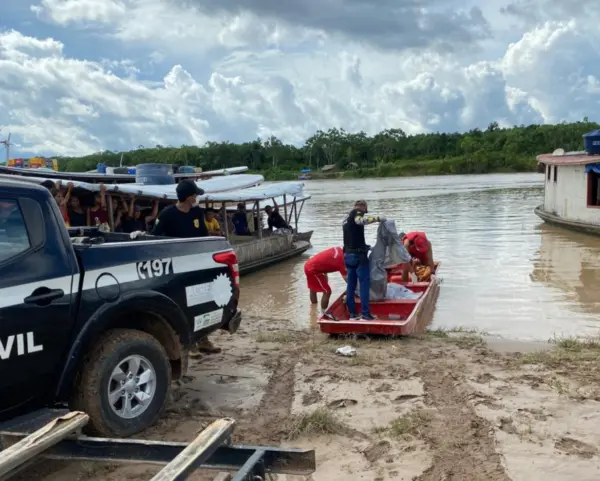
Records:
x=160, y=192
x=258, y=250
x=120, y=175
x=305, y=174
x=572, y=187
x=395, y=317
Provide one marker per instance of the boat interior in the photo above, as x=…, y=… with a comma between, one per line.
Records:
x=386, y=309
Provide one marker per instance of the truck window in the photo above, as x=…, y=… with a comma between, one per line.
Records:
x=13, y=233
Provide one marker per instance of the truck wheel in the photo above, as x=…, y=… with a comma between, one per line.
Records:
x=124, y=383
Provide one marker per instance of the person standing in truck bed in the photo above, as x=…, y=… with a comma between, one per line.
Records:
x=185, y=219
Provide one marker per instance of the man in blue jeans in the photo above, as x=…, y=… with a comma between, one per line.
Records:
x=356, y=259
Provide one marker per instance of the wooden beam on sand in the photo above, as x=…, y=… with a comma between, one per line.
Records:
x=39, y=441
x=223, y=477
x=197, y=452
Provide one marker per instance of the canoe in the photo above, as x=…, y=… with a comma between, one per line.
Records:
x=395, y=317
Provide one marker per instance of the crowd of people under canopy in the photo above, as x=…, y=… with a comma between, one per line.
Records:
x=166, y=218
x=183, y=219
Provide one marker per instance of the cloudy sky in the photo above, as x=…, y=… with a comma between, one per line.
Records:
x=79, y=76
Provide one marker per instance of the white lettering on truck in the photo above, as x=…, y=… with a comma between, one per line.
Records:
x=25, y=345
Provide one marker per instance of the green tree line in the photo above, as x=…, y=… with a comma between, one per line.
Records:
x=389, y=153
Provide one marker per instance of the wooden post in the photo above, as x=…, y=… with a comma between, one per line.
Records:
x=111, y=214
x=258, y=219
x=225, y=220
x=285, y=210
x=207, y=442
x=295, y=214
x=41, y=440
x=301, y=205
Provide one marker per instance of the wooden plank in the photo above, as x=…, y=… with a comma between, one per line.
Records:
x=40, y=440
x=198, y=451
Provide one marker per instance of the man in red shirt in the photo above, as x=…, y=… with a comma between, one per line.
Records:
x=316, y=269
x=419, y=247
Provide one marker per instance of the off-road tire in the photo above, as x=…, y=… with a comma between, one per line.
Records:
x=91, y=395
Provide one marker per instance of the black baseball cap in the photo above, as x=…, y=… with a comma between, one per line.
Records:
x=48, y=184
x=187, y=188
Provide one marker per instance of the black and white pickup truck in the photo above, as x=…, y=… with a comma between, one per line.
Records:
x=101, y=322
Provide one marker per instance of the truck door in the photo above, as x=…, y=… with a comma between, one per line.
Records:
x=36, y=283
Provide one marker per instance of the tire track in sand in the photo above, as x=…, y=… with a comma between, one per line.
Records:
x=462, y=443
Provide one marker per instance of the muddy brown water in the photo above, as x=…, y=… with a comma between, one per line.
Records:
x=504, y=271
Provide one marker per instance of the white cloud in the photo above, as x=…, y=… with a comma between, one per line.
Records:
x=177, y=72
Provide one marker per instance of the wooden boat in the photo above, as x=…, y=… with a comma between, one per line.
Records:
x=111, y=178
x=395, y=317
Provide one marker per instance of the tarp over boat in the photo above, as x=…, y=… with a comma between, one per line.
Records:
x=213, y=185
x=592, y=168
x=108, y=178
x=230, y=189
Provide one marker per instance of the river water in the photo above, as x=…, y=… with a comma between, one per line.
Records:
x=504, y=271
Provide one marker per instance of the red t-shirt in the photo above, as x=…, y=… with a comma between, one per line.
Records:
x=327, y=261
x=412, y=250
x=101, y=214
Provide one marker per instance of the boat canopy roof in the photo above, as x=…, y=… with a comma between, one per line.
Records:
x=210, y=186
x=568, y=158
x=93, y=176
x=258, y=193
x=245, y=188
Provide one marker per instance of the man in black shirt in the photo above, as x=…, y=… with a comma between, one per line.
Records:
x=356, y=259
x=274, y=219
x=185, y=219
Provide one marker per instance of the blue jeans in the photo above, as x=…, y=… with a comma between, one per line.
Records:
x=357, y=265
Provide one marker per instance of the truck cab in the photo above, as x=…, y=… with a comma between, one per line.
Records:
x=99, y=321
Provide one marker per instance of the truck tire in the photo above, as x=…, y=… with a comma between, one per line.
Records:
x=124, y=383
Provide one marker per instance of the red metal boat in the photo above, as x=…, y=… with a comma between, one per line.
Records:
x=395, y=317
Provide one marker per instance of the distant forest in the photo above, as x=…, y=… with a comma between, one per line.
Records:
x=389, y=153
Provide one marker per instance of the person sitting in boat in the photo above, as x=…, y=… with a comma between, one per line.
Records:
x=212, y=223
x=316, y=269
x=133, y=218
x=356, y=259
x=49, y=185
x=419, y=247
x=62, y=197
x=274, y=219
x=77, y=213
x=240, y=220
x=98, y=214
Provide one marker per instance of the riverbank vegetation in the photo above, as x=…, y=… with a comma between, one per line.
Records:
x=389, y=153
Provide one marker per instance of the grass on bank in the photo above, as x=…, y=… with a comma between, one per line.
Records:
x=413, y=423
x=565, y=350
x=319, y=422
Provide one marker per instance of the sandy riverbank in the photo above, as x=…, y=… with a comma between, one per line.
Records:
x=437, y=407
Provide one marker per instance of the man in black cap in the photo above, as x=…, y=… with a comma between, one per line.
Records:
x=356, y=259
x=185, y=219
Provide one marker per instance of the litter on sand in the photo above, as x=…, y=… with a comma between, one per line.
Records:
x=347, y=351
